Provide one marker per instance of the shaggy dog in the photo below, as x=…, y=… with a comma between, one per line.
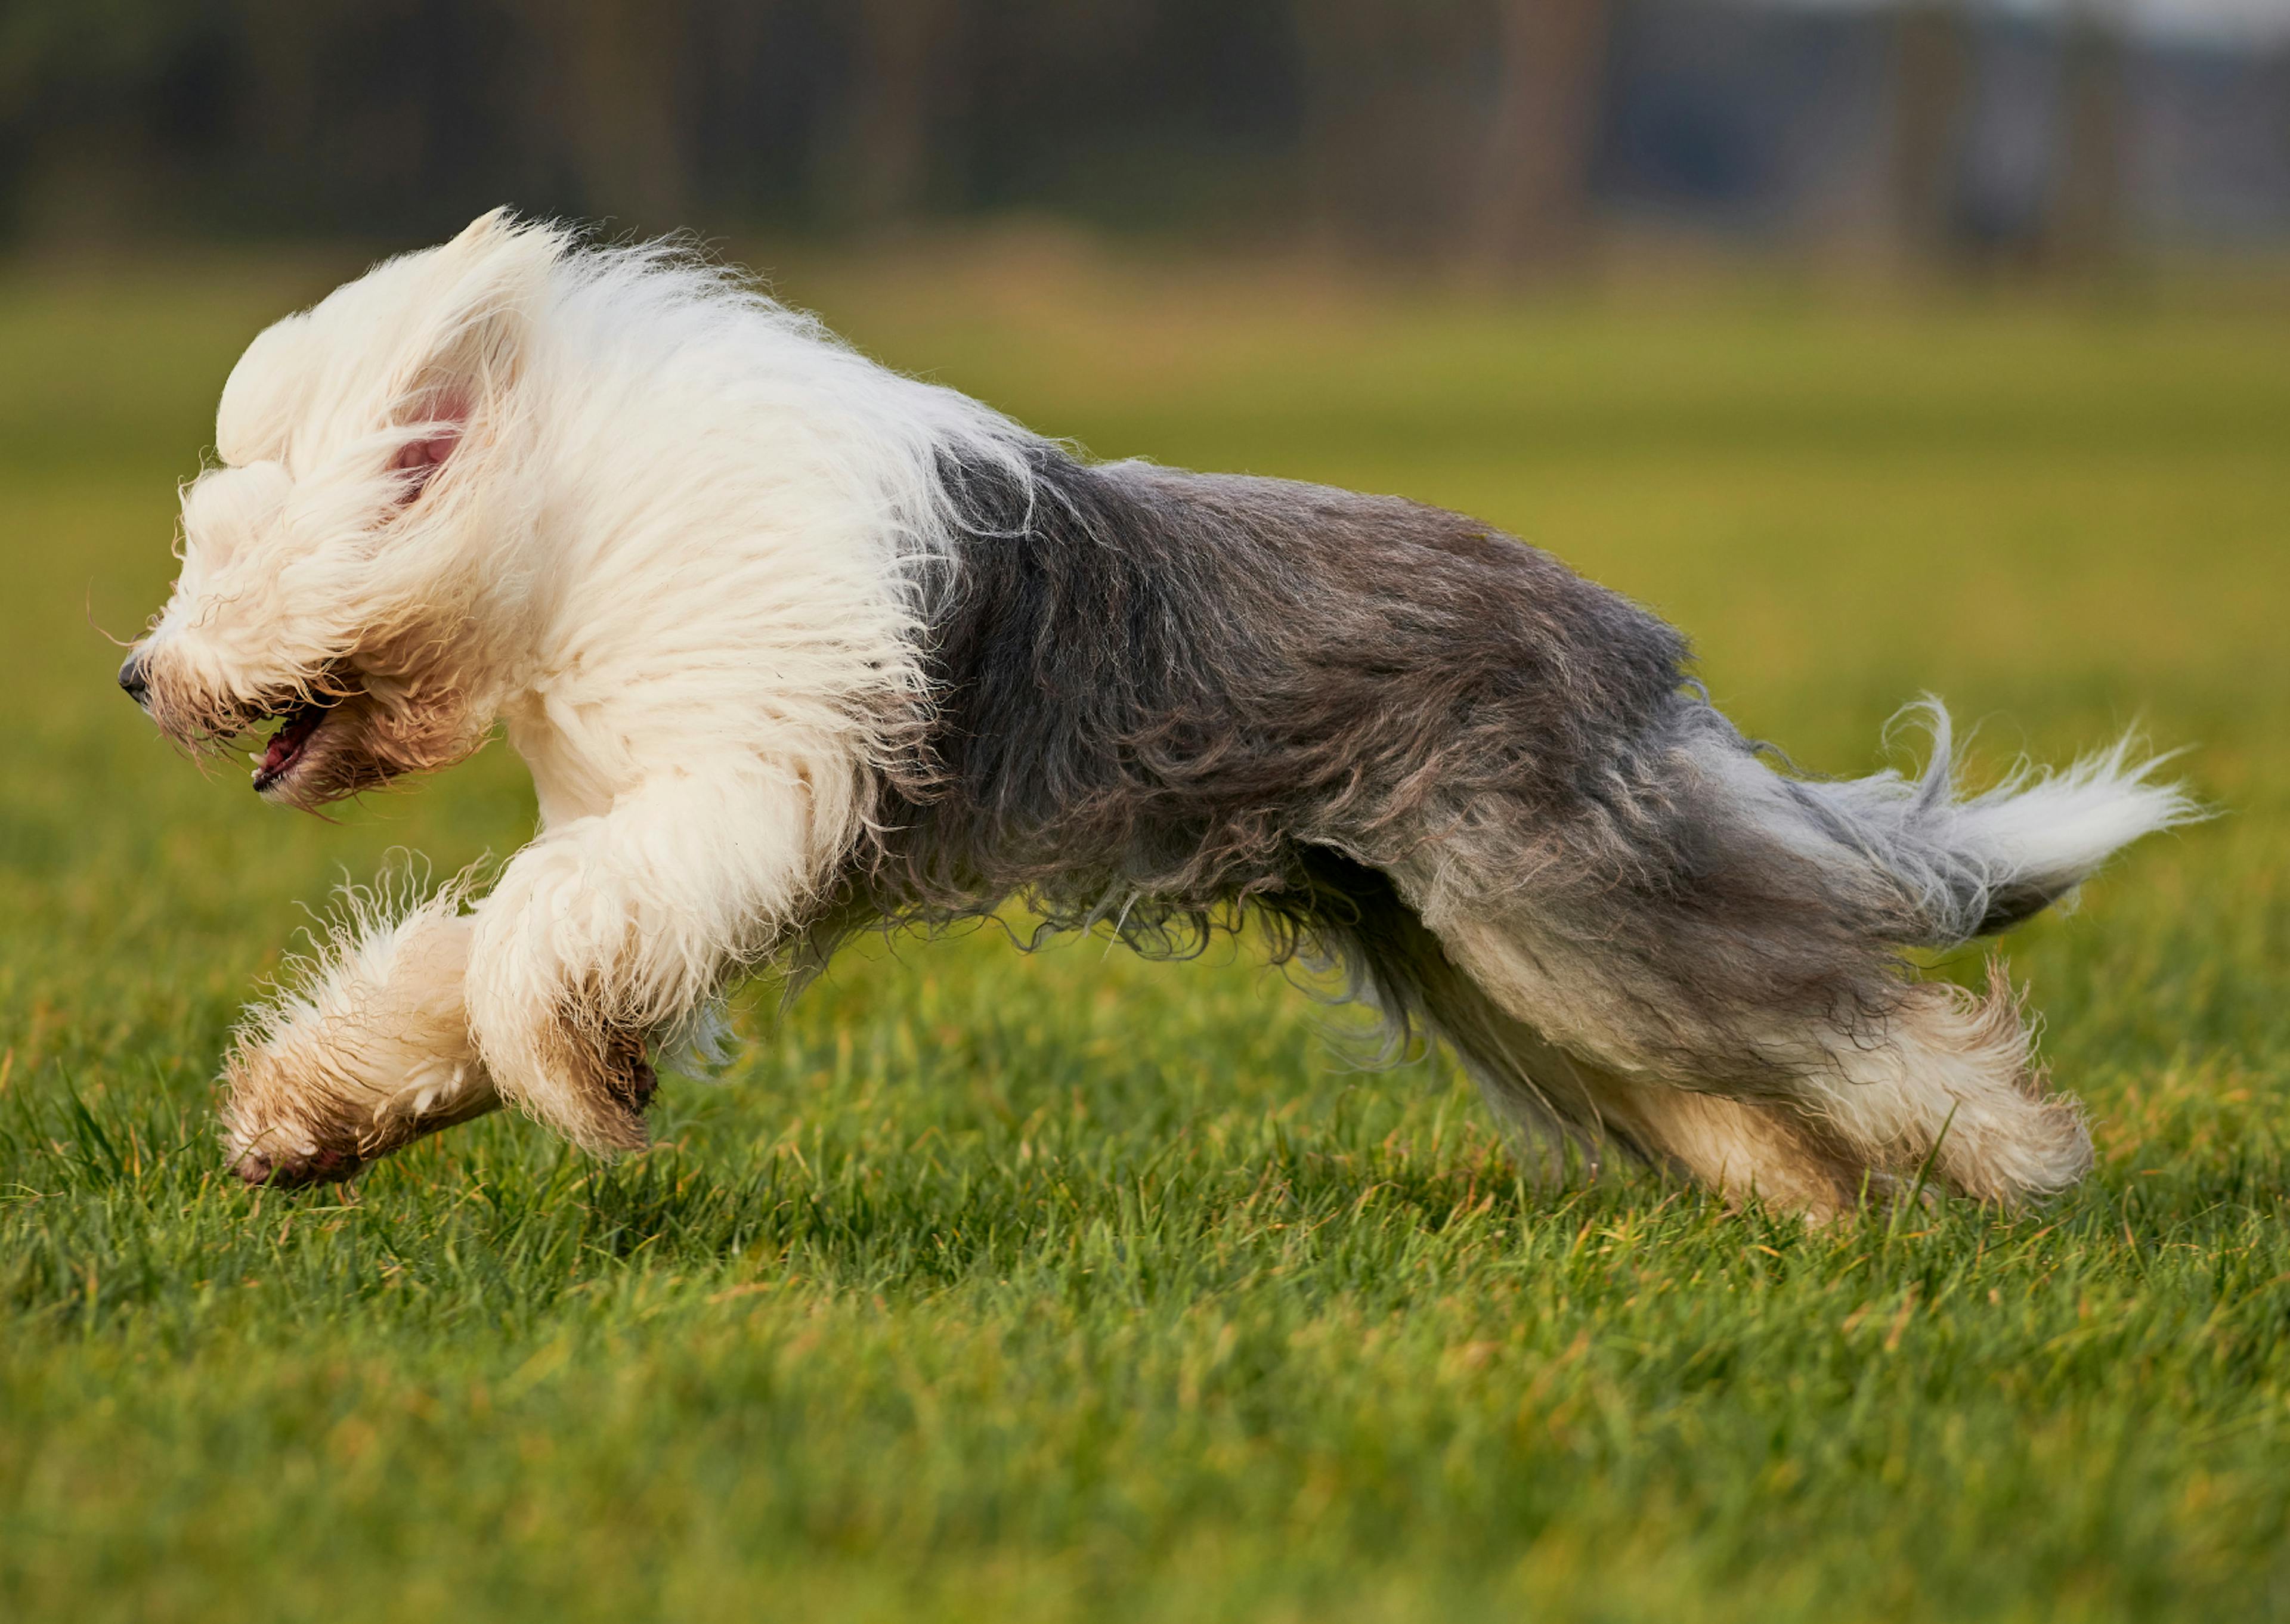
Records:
x=795, y=645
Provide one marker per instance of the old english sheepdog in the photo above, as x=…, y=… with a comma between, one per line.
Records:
x=795, y=645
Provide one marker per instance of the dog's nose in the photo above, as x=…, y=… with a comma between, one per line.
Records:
x=133, y=681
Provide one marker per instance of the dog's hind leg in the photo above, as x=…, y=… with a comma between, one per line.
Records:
x=1810, y=1099
x=1551, y=1099
x=1946, y=1079
x=1704, y=926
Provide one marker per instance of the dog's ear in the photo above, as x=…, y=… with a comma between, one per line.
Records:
x=444, y=418
x=469, y=346
x=266, y=393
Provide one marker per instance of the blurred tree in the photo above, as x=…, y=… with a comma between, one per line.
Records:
x=1389, y=125
x=281, y=54
x=1535, y=209
x=1422, y=131
x=2086, y=218
x=611, y=85
x=1931, y=56
x=86, y=163
x=908, y=76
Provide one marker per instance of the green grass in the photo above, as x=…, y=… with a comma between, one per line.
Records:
x=986, y=1287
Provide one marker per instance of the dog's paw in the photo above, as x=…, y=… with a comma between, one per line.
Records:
x=295, y=1171
x=591, y=1078
x=623, y=1089
x=295, y=1114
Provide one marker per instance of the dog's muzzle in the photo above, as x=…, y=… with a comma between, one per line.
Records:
x=135, y=681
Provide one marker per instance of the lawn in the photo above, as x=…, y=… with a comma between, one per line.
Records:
x=1073, y=1287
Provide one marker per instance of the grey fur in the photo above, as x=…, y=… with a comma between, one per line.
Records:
x=1157, y=692
x=1168, y=700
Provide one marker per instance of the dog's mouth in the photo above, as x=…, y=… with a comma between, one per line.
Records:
x=298, y=724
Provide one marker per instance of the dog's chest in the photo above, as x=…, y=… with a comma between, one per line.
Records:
x=568, y=781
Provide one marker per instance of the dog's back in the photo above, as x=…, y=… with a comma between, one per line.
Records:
x=1427, y=750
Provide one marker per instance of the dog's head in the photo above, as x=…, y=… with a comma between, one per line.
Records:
x=337, y=566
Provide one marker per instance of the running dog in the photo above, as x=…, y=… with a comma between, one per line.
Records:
x=796, y=647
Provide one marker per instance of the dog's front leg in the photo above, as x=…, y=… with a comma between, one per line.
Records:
x=365, y=1053
x=613, y=931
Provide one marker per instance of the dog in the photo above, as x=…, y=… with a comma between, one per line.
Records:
x=796, y=647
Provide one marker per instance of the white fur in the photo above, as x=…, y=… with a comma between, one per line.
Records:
x=2037, y=828
x=368, y=1033
x=680, y=556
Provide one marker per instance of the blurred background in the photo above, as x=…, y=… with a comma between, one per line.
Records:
x=1492, y=137
x=1887, y=348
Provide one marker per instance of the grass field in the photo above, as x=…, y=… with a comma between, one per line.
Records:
x=986, y=1287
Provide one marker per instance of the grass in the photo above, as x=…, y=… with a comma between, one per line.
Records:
x=996, y=1288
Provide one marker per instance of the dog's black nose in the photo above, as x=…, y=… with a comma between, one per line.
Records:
x=131, y=680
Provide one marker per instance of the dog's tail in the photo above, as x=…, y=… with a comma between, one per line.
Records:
x=1959, y=868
